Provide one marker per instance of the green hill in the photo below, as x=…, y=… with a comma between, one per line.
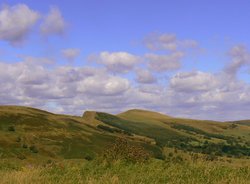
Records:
x=35, y=134
x=242, y=122
x=31, y=133
x=220, y=138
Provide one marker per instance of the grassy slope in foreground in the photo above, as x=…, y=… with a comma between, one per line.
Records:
x=153, y=172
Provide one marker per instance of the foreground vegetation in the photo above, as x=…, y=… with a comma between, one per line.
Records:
x=154, y=171
x=122, y=162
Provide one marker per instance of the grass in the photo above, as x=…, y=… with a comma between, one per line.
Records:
x=52, y=135
x=222, y=128
x=161, y=134
x=154, y=171
x=73, y=137
x=181, y=136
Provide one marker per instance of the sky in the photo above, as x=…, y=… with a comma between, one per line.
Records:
x=183, y=58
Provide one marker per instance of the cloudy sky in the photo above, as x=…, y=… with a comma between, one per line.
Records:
x=183, y=58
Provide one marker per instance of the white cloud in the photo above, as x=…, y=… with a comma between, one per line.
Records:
x=240, y=58
x=75, y=89
x=71, y=54
x=145, y=76
x=168, y=42
x=118, y=62
x=16, y=23
x=54, y=23
x=103, y=85
x=193, y=81
x=68, y=89
x=161, y=63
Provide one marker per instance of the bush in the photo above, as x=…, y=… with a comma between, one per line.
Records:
x=25, y=146
x=170, y=154
x=88, y=158
x=33, y=149
x=121, y=149
x=11, y=128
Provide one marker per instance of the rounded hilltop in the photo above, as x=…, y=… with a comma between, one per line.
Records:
x=144, y=114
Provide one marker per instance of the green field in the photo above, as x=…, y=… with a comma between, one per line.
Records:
x=41, y=147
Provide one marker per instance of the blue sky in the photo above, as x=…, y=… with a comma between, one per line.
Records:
x=95, y=26
x=155, y=51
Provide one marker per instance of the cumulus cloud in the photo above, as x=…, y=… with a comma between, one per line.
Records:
x=240, y=58
x=167, y=42
x=118, y=62
x=54, y=23
x=103, y=85
x=31, y=83
x=70, y=54
x=68, y=89
x=193, y=81
x=16, y=23
x=200, y=94
x=145, y=76
x=161, y=63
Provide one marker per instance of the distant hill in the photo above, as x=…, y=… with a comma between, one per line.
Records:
x=138, y=114
x=242, y=122
x=32, y=133
x=25, y=131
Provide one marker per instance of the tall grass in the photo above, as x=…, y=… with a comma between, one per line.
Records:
x=154, y=171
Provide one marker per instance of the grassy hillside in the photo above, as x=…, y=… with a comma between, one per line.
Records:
x=29, y=133
x=32, y=133
x=242, y=122
x=136, y=146
x=219, y=138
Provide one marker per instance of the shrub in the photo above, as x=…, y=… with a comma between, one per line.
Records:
x=25, y=146
x=121, y=149
x=33, y=149
x=170, y=154
x=11, y=128
x=88, y=158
